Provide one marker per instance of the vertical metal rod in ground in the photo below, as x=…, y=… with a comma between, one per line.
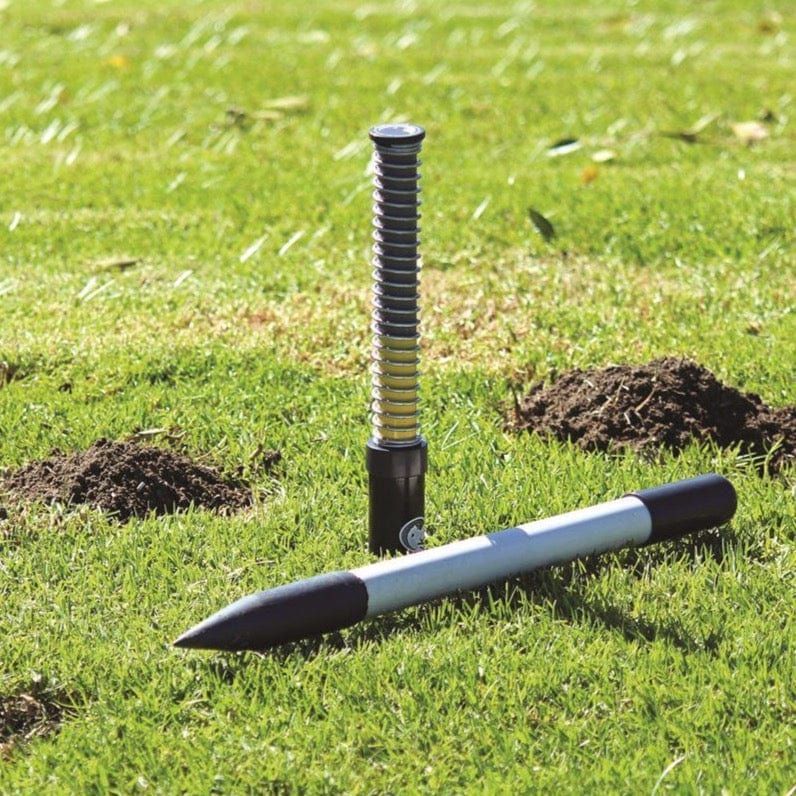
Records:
x=396, y=452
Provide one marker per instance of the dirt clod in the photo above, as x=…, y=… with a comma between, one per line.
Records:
x=666, y=403
x=127, y=479
x=24, y=717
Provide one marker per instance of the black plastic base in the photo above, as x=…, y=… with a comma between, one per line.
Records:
x=397, y=484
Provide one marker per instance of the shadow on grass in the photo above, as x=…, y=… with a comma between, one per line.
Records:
x=561, y=586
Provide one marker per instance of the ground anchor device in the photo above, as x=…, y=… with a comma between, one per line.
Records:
x=396, y=453
x=340, y=599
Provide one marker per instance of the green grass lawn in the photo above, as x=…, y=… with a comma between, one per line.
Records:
x=158, y=130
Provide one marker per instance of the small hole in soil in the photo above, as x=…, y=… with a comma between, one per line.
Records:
x=26, y=716
x=9, y=371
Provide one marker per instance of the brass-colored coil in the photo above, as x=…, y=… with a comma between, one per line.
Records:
x=395, y=321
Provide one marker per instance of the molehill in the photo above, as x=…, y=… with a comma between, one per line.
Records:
x=127, y=479
x=666, y=403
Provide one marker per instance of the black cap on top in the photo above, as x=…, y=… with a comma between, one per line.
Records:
x=386, y=135
x=694, y=504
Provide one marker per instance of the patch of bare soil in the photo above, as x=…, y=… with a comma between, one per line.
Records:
x=24, y=717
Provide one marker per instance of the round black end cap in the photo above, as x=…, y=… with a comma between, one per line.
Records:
x=387, y=135
x=683, y=507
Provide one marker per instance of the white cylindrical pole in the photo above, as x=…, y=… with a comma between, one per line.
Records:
x=408, y=580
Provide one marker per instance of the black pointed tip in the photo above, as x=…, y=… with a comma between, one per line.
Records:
x=287, y=613
x=188, y=640
x=211, y=634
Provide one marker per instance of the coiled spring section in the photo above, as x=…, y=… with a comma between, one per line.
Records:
x=396, y=265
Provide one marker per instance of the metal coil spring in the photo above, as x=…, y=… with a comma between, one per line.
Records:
x=395, y=321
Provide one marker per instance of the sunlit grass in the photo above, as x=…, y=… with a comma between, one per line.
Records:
x=184, y=234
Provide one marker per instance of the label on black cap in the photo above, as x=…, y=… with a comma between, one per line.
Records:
x=412, y=535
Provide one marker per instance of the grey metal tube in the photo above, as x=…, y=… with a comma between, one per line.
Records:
x=408, y=580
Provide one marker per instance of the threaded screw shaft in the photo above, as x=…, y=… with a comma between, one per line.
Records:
x=396, y=265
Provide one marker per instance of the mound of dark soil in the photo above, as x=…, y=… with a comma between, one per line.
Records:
x=24, y=717
x=666, y=403
x=127, y=479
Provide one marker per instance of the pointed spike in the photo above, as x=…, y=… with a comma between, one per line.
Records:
x=188, y=639
x=287, y=613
